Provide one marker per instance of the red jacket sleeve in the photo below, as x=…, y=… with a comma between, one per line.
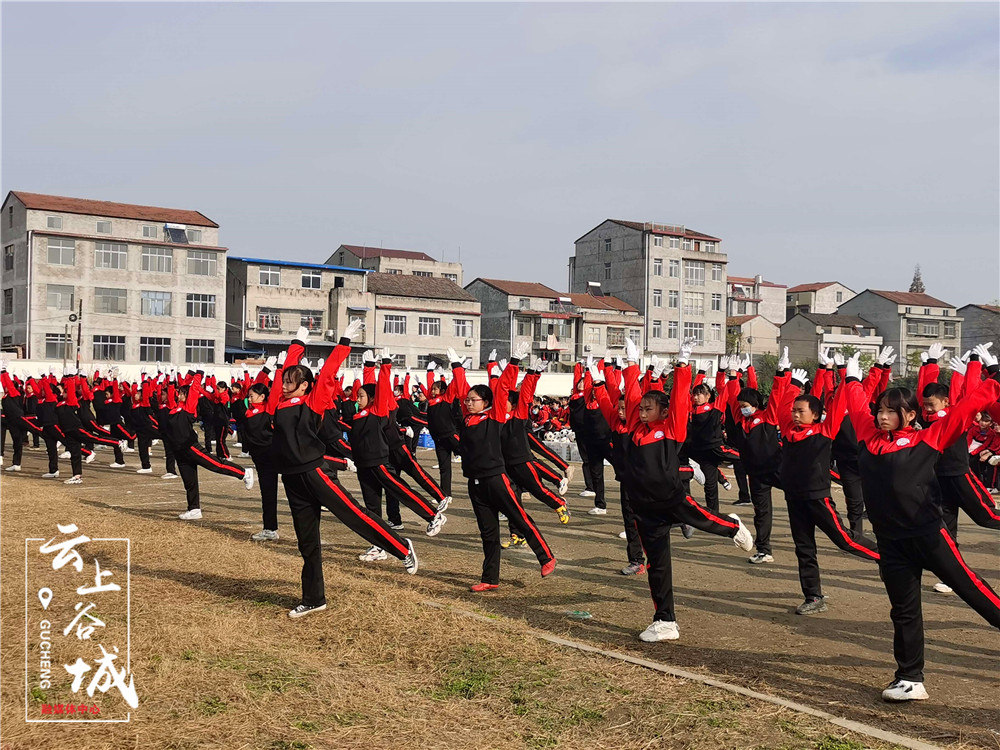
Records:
x=633, y=396
x=500, y=387
x=973, y=377
x=680, y=403
x=320, y=398
x=526, y=395
x=751, y=377
x=952, y=426
x=929, y=373
x=859, y=408
x=609, y=408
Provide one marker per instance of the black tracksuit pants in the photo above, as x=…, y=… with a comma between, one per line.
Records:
x=545, y=473
x=539, y=447
x=967, y=492
x=588, y=478
x=491, y=496
x=742, y=480
x=51, y=435
x=805, y=515
x=849, y=478
x=760, y=496
x=709, y=461
x=105, y=437
x=633, y=545
x=374, y=479
x=18, y=432
x=528, y=479
x=267, y=480
x=902, y=564
x=189, y=459
x=404, y=461
x=444, y=448
x=596, y=455
x=308, y=493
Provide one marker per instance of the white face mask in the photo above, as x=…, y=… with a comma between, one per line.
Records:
x=746, y=411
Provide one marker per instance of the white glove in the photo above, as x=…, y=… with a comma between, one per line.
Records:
x=142, y=370
x=853, y=366
x=619, y=363
x=685, y=352
x=935, y=351
x=595, y=374
x=409, y=432
x=351, y=466
x=885, y=356
x=838, y=359
x=924, y=356
x=453, y=356
x=208, y=389
x=521, y=350
x=658, y=369
x=431, y=366
x=502, y=364
x=270, y=363
x=52, y=369
x=983, y=350
x=319, y=363
x=385, y=353
x=282, y=356
x=724, y=362
x=352, y=329
x=305, y=363
x=745, y=362
x=302, y=334
x=824, y=356
x=493, y=355
x=994, y=460
x=784, y=363
x=800, y=375
x=631, y=351
x=957, y=365
x=441, y=372
x=653, y=361
x=542, y=366
x=467, y=363
x=368, y=357
x=608, y=357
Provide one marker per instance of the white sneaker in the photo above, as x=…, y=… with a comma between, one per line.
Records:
x=123, y=445
x=597, y=512
x=397, y=526
x=942, y=588
x=501, y=516
x=443, y=505
x=248, y=478
x=74, y=480
x=302, y=610
x=13, y=467
x=743, y=538
x=244, y=454
x=168, y=475
x=237, y=445
x=191, y=515
x=91, y=458
x=410, y=561
x=439, y=520
x=117, y=465
x=436, y=466
x=904, y=690
x=144, y=471
x=622, y=535
x=126, y=449
x=455, y=460
x=265, y=535
x=51, y=475
x=588, y=493
x=64, y=454
x=760, y=557
x=699, y=475
x=660, y=630
x=563, y=485
x=525, y=495
x=156, y=441
x=373, y=554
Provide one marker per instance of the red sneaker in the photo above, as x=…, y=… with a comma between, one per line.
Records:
x=548, y=567
x=480, y=587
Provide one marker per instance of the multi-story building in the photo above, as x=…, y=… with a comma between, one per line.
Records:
x=807, y=334
x=751, y=334
x=908, y=321
x=405, y=262
x=674, y=276
x=754, y=296
x=822, y=297
x=148, y=281
x=562, y=328
x=268, y=300
x=981, y=323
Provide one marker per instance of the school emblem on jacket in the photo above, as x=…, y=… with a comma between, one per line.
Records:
x=903, y=441
x=658, y=434
x=296, y=400
x=757, y=421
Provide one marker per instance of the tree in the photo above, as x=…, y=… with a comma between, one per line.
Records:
x=917, y=285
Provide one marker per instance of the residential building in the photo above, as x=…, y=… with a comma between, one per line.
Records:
x=751, y=334
x=267, y=300
x=561, y=327
x=822, y=297
x=807, y=334
x=150, y=281
x=981, y=324
x=674, y=276
x=907, y=321
x=405, y=262
x=754, y=296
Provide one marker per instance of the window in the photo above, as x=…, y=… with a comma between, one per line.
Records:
x=716, y=272
x=675, y=269
x=270, y=276
x=950, y=330
x=268, y=319
x=685, y=244
x=674, y=242
x=312, y=279
x=657, y=329
x=657, y=266
x=111, y=255
x=657, y=298
x=157, y=259
x=109, y=348
x=694, y=303
x=607, y=271
x=607, y=246
x=672, y=298
x=671, y=329
x=394, y=324
x=8, y=258
x=53, y=222
x=708, y=247
x=193, y=235
x=56, y=345
x=840, y=296
x=156, y=304
x=463, y=328
x=393, y=271
x=616, y=337
x=451, y=277
x=152, y=349
x=425, y=274
x=59, y=297
x=524, y=327
x=695, y=331
x=716, y=303
x=201, y=262
x=524, y=303
x=62, y=252
x=199, y=350
x=694, y=272
x=909, y=309
x=741, y=308
x=929, y=328
x=716, y=332
x=636, y=335
x=311, y=319
x=927, y=311
x=201, y=305
x=945, y=312
x=110, y=301
x=593, y=335
x=150, y=230
x=8, y=301
x=657, y=242
x=357, y=359
x=429, y=326
x=399, y=360
x=104, y=227
x=423, y=360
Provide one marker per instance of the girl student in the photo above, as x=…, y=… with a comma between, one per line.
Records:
x=443, y=416
x=593, y=438
x=257, y=438
x=12, y=405
x=807, y=444
x=309, y=487
x=657, y=428
x=897, y=470
x=370, y=448
x=490, y=489
x=705, y=444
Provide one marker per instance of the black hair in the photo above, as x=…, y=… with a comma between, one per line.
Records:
x=936, y=390
x=815, y=405
x=702, y=389
x=898, y=400
x=662, y=399
x=513, y=397
x=439, y=386
x=484, y=392
x=750, y=396
x=369, y=388
x=298, y=374
x=259, y=388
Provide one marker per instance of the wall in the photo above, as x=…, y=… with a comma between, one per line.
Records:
x=413, y=345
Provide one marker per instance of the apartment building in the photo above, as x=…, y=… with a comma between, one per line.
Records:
x=751, y=295
x=751, y=334
x=561, y=327
x=981, y=323
x=402, y=262
x=807, y=334
x=148, y=281
x=823, y=297
x=673, y=276
x=908, y=321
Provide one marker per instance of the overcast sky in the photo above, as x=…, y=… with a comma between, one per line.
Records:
x=819, y=141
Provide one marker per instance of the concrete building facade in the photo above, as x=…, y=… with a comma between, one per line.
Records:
x=754, y=296
x=404, y=262
x=807, y=334
x=674, y=276
x=822, y=297
x=751, y=334
x=151, y=281
x=981, y=323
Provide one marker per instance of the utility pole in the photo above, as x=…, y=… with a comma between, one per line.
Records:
x=79, y=331
x=65, y=343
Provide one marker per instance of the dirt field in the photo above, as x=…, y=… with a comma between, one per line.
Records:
x=218, y=664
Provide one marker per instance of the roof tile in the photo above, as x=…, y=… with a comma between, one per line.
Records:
x=40, y=202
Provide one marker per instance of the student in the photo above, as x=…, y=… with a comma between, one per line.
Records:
x=45, y=418
x=443, y=415
x=657, y=427
x=897, y=469
x=705, y=441
x=593, y=437
x=256, y=436
x=309, y=488
x=12, y=405
x=805, y=476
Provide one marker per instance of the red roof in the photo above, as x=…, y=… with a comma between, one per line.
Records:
x=813, y=287
x=746, y=280
x=917, y=299
x=40, y=202
x=521, y=288
x=738, y=320
x=662, y=229
x=363, y=251
x=608, y=302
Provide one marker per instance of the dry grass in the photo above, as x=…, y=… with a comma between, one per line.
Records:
x=219, y=665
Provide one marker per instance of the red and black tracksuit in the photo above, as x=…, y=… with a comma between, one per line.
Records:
x=257, y=438
x=706, y=444
x=12, y=406
x=400, y=455
x=897, y=469
x=443, y=416
x=593, y=438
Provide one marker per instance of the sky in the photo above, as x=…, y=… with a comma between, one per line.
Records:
x=820, y=142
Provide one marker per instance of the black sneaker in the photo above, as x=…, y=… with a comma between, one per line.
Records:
x=304, y=609
x=743, y=502
x=811, y=606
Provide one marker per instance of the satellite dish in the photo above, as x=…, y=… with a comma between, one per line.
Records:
x=72, y=318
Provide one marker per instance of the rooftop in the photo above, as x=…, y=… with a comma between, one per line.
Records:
x=751, y=280
x=917, y=299
x=60, y=204
x=835, y=319
x=988, y=308
x=738, y=320
x=297, y=264
x=363, y=251
x=578, y=299
x=812, y=287
x=403, y=285
x=671, y=230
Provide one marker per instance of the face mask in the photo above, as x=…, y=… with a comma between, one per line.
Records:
x=746, y=411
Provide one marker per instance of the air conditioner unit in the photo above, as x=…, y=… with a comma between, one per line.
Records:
x=469, y=342
x=251, y=325
x=586, y=347
x=329, y=333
